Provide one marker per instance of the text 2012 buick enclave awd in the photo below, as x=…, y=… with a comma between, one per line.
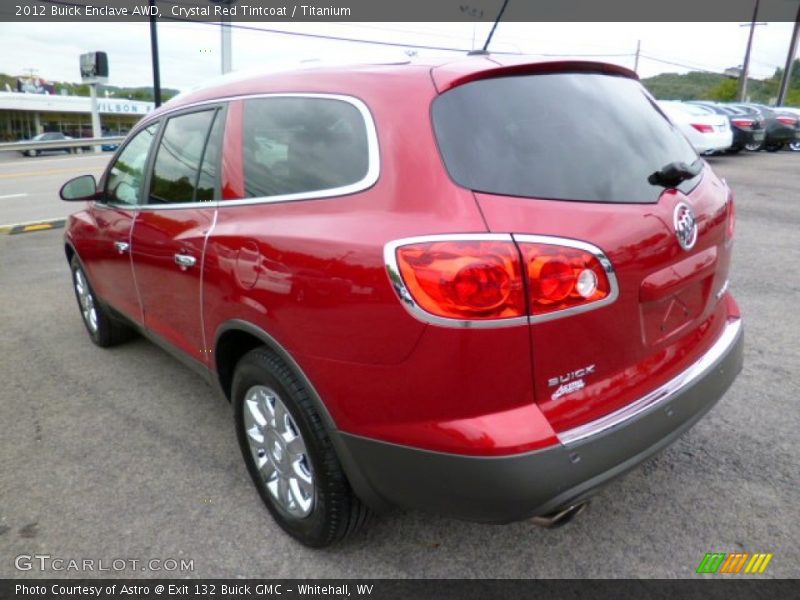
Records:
x=482, y=288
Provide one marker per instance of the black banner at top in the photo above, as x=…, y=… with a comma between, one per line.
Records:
x=398, y=10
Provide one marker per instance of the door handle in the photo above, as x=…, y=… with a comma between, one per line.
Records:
x=184, y=261
x=122, y=247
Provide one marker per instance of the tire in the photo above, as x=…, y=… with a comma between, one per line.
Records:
x=794, y=146
x=754, y=146
x=103, y=329
x=773, y=147
x=734, y=150
x=300, y=478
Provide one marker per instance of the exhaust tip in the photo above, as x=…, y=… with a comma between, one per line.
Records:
x=560, y=517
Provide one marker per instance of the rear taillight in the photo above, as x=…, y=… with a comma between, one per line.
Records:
x=743, y=122
x=787, y=121
x=561, y=277
x=490, y=279
x=703, y=128
x=464, y=279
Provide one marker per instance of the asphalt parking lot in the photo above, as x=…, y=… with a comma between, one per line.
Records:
x=127, y=454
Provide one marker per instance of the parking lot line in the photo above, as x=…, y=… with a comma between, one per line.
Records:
x=12, y=196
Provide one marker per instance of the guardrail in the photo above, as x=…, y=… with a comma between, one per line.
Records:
x=59, y=144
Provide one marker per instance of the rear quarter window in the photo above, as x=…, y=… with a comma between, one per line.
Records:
x=566, y=136
x=299, y=145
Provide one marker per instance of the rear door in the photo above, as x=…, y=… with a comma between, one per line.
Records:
x=169, y=235
x=566, y=157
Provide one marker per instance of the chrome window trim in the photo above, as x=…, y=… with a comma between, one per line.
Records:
x=396, y=280
x=660, y=396
x=601, y=257
x=373, y=151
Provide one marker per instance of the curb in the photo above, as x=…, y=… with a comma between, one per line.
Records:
x=33, y=226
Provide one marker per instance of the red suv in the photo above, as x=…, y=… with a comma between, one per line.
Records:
x=482, y=288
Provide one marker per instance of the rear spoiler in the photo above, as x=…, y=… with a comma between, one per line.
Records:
x=451, y=75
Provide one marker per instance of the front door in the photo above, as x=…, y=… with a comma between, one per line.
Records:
x=108, y=262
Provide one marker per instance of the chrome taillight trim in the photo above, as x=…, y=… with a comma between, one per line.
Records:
x=407, y=300
x=660, y=396
x=396, y=279
x=601, y=257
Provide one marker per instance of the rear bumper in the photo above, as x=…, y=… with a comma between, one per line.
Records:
x=509, y=488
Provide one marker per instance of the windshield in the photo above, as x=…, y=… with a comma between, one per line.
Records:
x=566, y=136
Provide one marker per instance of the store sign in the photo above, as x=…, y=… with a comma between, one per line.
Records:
x=123, y=107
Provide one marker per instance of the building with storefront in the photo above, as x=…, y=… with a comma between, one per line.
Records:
x=23, y=116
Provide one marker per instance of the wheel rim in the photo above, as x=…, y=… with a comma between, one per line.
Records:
x=86, y=301
x=795, y=146
x=279, y=451
x=752, y=147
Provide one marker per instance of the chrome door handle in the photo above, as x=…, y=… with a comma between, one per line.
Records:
x=122, y=247
x=185, y=261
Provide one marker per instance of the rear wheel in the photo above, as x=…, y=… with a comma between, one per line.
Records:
x=289, y=454
x=753, y=146
x=794, y=146
x=773, y=147
x=104, y=330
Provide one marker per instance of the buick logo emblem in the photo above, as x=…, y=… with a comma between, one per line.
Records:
x=685, y=226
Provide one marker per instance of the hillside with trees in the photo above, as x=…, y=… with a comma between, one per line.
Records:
x=699, y=85
x=82, y=89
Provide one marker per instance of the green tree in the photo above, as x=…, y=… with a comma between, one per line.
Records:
x=726, y=90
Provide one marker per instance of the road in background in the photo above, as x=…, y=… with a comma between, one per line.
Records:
x=29, y=185
x=125, y=453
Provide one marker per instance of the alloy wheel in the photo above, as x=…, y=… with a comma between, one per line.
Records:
x=279, y=451
x=86, y=300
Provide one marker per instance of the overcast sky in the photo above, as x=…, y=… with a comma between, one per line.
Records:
x=190, y=52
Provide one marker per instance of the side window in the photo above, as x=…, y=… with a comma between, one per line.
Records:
x=206, y=182
x=177, y=165
x=124, y=181
x=301, y=145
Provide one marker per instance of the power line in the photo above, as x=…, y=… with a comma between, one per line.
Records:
x=677, y=64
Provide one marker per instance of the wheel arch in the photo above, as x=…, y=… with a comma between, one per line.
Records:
x=236, y=338
x=233, y=340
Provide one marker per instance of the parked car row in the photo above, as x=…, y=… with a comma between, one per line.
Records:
x=750, y=127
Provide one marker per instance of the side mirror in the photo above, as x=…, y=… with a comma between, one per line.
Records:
x=80, y=188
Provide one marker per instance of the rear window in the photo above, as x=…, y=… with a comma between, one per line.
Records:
x=300, y=145
x=565, y=136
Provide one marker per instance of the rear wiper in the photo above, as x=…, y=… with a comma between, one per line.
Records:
x=675, y=172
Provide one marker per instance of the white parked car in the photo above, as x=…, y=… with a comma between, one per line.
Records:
x=708, y=132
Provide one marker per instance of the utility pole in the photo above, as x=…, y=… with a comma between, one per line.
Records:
x=154, y=54
x=636, y=60
x=97, y=132
x=225, y=35
x=746, y=65
x=787, y=72
x=225, y=44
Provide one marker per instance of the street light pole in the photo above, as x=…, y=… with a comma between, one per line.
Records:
x=154, y=54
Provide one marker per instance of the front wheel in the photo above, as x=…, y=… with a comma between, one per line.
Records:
x=289, y=454
x=794, y=146
x=104, y=330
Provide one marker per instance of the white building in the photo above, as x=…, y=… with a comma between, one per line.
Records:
x=24, y=115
